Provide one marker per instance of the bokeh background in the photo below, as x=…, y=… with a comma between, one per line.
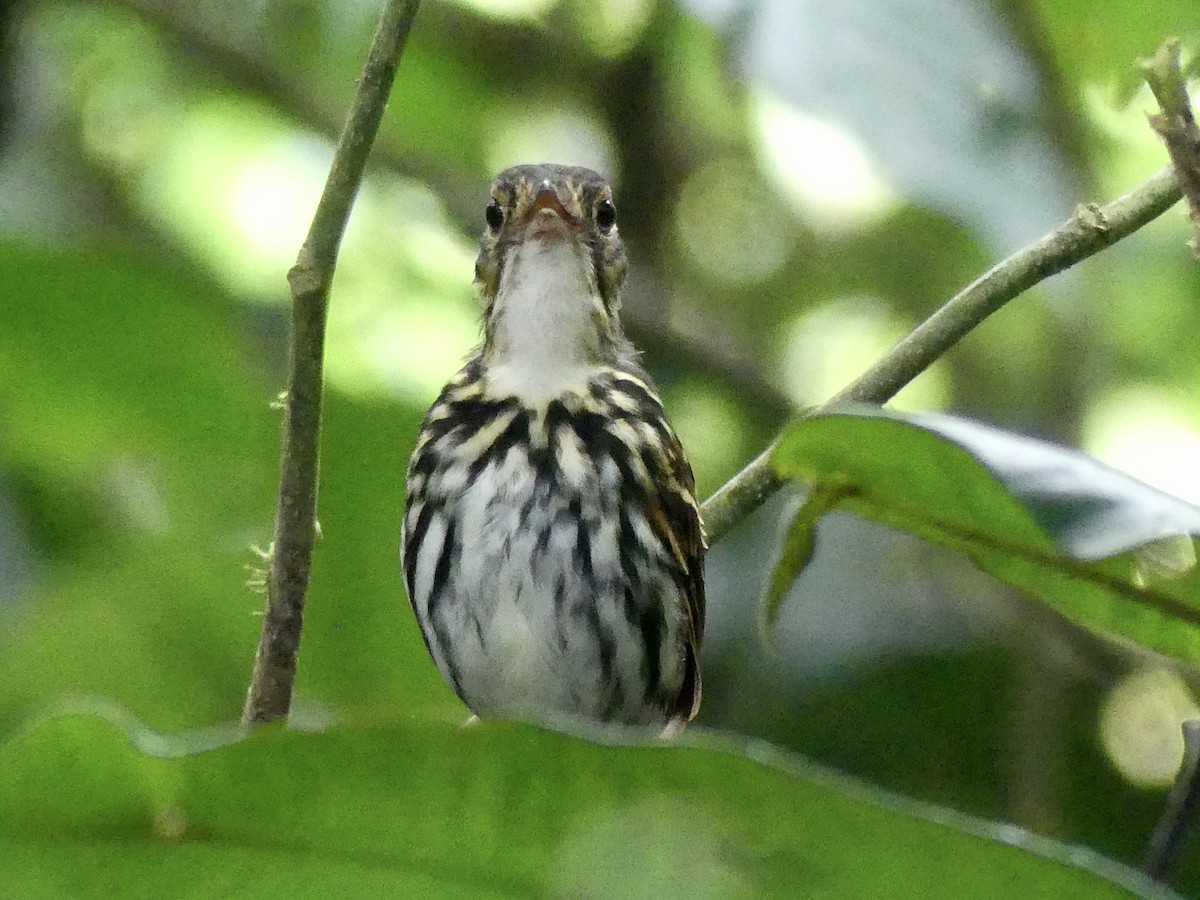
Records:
x=798, y=184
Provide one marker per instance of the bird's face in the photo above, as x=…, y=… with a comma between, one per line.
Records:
x=563, y=209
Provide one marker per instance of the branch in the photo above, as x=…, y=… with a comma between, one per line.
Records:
x=296, y=528
x=1183, y=804
x=1092, y=229
x=1176, y=125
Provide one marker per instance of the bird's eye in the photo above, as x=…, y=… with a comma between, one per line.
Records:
x=606, y=215
x=494, y=215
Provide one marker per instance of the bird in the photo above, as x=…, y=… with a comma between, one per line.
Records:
x=552, y=544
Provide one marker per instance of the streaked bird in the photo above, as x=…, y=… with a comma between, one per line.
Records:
x=552, y=545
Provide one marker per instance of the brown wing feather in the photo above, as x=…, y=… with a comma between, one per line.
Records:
x=675, y=518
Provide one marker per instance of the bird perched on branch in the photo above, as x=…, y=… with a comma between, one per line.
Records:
x=553, y=550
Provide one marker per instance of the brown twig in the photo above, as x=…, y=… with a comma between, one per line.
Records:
x=270, y=692
x=1176, y=125
x=1090, y=230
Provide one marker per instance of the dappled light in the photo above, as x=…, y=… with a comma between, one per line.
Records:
x=235, y=187
x=824, y=170
x=1151, y=434
x=509, y=9
x=728, y=223
x=272, y=196
x=1140, y=725
x=1130, y=149
x=548, y=129
x=612, y=27
x=833, y=343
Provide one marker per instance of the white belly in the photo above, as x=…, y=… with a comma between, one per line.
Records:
x=535, y=620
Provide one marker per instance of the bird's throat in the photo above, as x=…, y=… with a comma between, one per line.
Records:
x=544, y=335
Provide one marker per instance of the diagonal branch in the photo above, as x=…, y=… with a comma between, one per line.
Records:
x=1092, y=229
x=296, y=529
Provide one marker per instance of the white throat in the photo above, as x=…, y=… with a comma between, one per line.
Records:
x=545, y=339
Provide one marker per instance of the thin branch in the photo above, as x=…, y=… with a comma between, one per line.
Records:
x=296, y=527
x=1176, y=125
x=1183, y=807
x=1092, y=229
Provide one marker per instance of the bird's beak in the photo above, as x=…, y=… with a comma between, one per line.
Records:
x=547, y=199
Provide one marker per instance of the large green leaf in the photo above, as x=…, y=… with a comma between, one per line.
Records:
x=1055, y=522
x=95, y=804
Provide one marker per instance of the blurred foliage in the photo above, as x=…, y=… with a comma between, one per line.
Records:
x=158, y=162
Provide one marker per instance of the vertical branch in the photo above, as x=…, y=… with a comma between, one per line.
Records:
x=1176, y=125
x=1183, y=806
x=270, y=693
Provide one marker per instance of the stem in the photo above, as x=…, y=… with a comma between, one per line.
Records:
x=1183, y=804
x=1090, y=230
x=1176, y=125
x=296, y=529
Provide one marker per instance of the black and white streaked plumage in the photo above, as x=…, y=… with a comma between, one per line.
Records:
x=553, y=548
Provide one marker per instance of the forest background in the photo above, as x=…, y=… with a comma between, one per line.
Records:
x=797, y=186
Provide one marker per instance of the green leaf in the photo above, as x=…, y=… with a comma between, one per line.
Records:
x=799, y=544
x=94, y=803
x=1078, y=535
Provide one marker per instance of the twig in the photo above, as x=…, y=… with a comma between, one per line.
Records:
x=1183, y=806
x=1091, y=230
x=1176, y=125
x=270, y=692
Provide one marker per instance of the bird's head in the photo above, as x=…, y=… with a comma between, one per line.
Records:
x=551, y=262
